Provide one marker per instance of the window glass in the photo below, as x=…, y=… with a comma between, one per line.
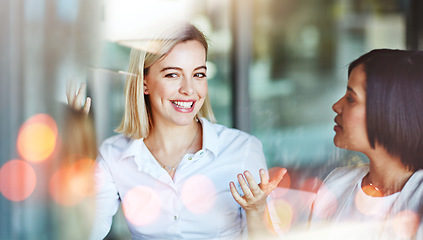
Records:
x=301, y=53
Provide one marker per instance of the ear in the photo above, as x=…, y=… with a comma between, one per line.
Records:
x=145, y=89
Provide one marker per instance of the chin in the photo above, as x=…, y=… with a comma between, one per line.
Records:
x=184, y=121
x=339, y=143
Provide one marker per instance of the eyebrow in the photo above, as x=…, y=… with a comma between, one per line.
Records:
x=352, y=90
x=180, y=69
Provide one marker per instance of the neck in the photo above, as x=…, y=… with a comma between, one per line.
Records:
x=387, y=173
x=172, y=138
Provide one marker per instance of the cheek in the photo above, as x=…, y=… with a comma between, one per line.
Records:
x=356, y=128
x=202, y=89
x=161, y=90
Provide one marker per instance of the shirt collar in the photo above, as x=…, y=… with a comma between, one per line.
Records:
x=133, y=148
x=210, y=141
x=210, y=138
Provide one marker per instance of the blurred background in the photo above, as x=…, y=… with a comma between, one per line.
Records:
x=275, y=67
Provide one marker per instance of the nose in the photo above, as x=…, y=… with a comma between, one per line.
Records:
x=337, y=107
x=186, y=87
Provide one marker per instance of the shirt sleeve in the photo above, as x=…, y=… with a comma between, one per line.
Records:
x=107, y=198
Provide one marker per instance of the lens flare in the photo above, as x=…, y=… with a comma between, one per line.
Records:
x=17, y=180
x=285, y=213
x=141, y=205
x=37, y=138
x=366, y=206
x=198, y=194
x=284, y=184
x=311, y=184
x=326, y=196
x=406, y=224
x=73, y=183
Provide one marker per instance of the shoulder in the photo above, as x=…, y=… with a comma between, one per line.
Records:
x=342, y=180
x=116, y=144
x=347, y=174
x=227, y=134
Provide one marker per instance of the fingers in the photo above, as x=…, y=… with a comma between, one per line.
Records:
x=240, y=200
x=264, y=179
x=70, y=92
x=254, y=187
x=87, y=106
x=76, y=99
x=80, y=96
x=275, y=180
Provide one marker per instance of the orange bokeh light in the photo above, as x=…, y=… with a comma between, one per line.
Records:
x=311, y=184
x=198, y=194
x=406, y=224
x=362, y=204
x=372, y=191
x=285, y=213
x=141, y=205
x=284, y=184
x=37, y=138
x=73, y=183
x=17, y=180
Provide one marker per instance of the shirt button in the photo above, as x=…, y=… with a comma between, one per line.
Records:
x=175, y=217
x=190, y=158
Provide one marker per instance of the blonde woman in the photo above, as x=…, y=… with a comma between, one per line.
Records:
x=172, y=168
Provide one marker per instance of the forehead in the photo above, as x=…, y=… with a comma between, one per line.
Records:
x=185, y=54
x=357, y=78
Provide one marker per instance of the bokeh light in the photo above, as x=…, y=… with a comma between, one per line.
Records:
x=285, y=213
x=311, y=184
x=37, y=138
x=141, y=205
x=73, y=183
x=372, y=191
x=406, y=224
x=329, y=197
x=198, y=194
x=284, y=184
x=364, y=204
x=17, y=180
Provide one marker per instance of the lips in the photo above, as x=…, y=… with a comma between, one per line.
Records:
x=337, y=127
x=184, y=106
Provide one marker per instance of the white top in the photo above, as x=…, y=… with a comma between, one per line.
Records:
x=364, y=208
x=196, y=204
x=344, y=211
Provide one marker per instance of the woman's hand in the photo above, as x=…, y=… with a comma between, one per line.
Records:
x=255, y=195
x=254, y=200
x=76, y=99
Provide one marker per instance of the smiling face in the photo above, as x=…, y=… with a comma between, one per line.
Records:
x=177, y=84
x=351, y=130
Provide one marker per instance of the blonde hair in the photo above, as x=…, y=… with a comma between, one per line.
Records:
x=137, y=120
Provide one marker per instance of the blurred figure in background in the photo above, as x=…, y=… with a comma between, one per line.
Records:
x=72, y=182
x=381, y=115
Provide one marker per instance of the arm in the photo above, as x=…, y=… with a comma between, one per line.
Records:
x=107, y=200
x=254, y=201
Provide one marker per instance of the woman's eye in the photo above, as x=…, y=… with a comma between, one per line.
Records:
x=171, y=75
x=200, y=75
x=350, y=99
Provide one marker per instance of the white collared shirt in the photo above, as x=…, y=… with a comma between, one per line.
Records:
x=196, y=204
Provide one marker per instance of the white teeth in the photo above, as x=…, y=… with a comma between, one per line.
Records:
x=183, y=104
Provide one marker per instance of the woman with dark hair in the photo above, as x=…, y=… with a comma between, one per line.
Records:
x=381, y=116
